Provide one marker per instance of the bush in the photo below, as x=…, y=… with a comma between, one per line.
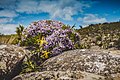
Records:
x=52, y=36
x=49, y=38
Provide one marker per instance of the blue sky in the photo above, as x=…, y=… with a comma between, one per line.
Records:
x=79, y=12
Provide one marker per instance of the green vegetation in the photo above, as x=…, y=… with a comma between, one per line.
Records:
x=19, y=31
x=106, y=35
x=13, y=38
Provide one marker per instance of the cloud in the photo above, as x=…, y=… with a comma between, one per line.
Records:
x=8, y=13
x=29, y=7
x=63, y=9
x=7, y=16
x=8, y=28
x=8, y=4
x=79, y=19
x=5, y=20
x=91, y=19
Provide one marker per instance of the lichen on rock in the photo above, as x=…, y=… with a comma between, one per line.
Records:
x=98, y=62
x=11, y=57
x=59, y=75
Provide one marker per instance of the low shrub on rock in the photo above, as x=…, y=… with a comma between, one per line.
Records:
x=47, y=38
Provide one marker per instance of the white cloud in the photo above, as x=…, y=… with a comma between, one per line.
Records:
x=5, y=20
x=8, y=28
x=8, y=13
x=9, y=4
x=27, y=6
x=7, y=16
x=55, y=8
x=91, y=19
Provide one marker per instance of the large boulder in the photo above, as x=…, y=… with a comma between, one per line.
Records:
x=59, y=75
x=84, y=64
x=11, y=58
x=101, y=62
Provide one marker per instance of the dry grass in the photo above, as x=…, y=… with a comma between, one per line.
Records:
x=7, y=39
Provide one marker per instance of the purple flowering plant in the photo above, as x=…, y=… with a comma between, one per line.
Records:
x=50, y=37
x=47, y=38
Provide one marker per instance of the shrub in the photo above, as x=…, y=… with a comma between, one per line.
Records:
x=52, y=36
x=48, y=38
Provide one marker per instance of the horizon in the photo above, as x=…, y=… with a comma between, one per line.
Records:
x=79, y=12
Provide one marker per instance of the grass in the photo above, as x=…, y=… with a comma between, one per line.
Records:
x=8, y=39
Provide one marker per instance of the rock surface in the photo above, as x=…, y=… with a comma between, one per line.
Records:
x=59, y=75
x=101, y=62
x=11, y=57
x=84, y=64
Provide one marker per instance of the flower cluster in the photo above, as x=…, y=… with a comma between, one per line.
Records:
x=57, y=36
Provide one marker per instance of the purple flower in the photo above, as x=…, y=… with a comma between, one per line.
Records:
x=58, y=39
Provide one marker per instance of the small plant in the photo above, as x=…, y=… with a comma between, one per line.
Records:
x=19, y=31
x=28, y=66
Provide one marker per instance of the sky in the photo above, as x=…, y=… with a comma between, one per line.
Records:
x=78, y=12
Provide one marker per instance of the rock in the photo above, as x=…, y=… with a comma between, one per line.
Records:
x=116, y=77
x=80, y=64
x=58, y=75
x=101, y=62
x=11, y=58
x=95, y=47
